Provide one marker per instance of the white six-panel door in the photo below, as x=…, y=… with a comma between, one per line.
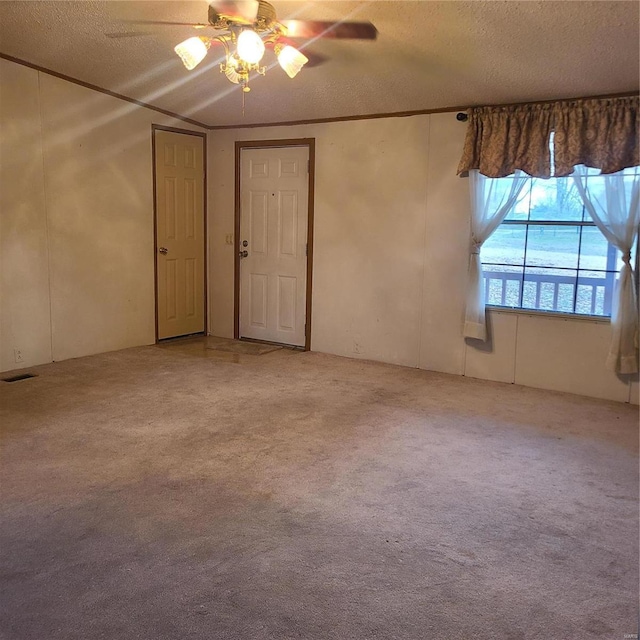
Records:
x=179, y=166
x=274, y=187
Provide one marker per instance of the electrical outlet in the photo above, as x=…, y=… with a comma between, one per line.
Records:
x=17, y=353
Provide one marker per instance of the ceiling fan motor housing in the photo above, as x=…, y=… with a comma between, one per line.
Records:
x=266, y=13
x=265, y=17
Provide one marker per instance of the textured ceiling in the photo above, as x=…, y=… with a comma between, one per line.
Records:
x=428, y=55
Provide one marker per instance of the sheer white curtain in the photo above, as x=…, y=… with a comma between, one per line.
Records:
x=616, y=212
x=490, y=205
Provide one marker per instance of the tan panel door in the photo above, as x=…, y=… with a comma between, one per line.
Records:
x=179, y=166
x=274, y=187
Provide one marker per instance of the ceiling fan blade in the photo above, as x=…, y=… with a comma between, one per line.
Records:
x=167, y=23
x=245, y=9
x=128, y=34
x=321, y=29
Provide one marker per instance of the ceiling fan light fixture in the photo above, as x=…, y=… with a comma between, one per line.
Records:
x=244, y=28
x=192, y=52
x=230, y=70
x=290, y=59
x=250, y=47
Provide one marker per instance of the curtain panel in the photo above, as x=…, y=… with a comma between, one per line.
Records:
x=489, y=208
x=602, y=133
x=616, y=212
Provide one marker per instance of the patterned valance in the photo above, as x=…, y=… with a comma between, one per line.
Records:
x=599, y=133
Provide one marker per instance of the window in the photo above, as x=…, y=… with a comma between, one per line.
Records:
x=548, y=254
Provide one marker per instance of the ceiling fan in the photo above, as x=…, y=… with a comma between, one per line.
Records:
x=245, y=28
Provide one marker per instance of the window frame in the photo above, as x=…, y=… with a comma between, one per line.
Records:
x=585, y=221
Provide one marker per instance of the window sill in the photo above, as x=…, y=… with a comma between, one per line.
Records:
x=549, y=314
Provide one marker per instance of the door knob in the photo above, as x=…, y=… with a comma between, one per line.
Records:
x=163, y=250
x=243, y=254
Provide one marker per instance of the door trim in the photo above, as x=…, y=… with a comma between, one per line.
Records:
x=257, y=144
x=154, y=128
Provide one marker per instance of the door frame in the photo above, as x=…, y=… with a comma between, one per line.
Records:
x=310, y=143
x=159, y=127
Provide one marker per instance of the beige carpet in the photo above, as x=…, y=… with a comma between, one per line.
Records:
x=177, y=492
x=223, y=349
x=240, y=346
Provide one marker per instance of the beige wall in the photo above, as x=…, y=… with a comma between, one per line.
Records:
x=391, y=230
x=25, y=321
x=390, y=260
x=76, y=224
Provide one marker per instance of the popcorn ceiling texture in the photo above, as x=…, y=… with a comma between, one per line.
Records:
x=428, y=55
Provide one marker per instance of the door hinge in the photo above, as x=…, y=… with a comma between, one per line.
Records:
x=308, y=166
x=306, y=249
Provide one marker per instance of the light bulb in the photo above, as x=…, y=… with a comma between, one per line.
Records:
x=290, y=59
x=192, y=52
x=250, y=46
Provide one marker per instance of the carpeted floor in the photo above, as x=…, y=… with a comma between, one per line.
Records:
x=177, y=492
x=238, y=346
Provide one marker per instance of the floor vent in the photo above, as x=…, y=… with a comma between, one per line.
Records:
x=22, y=376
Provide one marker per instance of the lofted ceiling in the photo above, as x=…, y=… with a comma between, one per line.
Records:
x=428, y=55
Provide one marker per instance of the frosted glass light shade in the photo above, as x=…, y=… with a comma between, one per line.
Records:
x=191, y=52
x=291, y=60
x=250, y=47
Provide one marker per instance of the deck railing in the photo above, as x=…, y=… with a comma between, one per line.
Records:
x=592, y=303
